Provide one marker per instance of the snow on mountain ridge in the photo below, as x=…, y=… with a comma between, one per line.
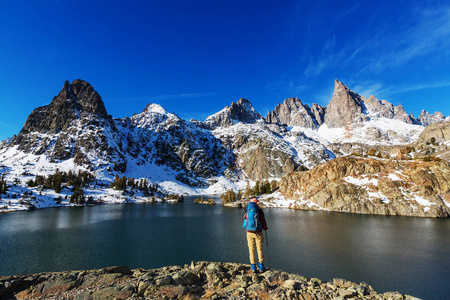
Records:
x=230, y=148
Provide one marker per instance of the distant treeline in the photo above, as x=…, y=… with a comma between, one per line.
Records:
x=260, y=188
x=121, y=184
x=56, y=180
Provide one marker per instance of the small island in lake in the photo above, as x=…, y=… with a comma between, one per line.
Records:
x=209, y=201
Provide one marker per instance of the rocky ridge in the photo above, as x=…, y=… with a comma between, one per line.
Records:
x=229, y=149
x=294, y=113
x=372, y=186
x=200, y=280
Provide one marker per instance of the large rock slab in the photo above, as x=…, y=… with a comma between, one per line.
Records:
x=200, y=280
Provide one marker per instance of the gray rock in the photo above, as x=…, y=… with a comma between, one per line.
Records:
x=185, y=278
x=293, y=113
x=319, y=113
x=112, y=293
x=208, y=280
x=345, y=107
x=83, y=295
x=61, y=284
x=426, y=119
x=241, y=111
x=400, y=114
x=164, y=280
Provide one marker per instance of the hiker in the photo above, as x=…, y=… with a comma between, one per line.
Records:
x=254, y=223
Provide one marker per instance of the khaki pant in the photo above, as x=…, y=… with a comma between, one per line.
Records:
x=255, y=238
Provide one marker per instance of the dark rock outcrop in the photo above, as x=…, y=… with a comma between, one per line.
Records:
x=76, y=100
x=201, y=280
x=74, y=125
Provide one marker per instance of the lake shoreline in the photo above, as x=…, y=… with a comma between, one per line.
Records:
x=199, y=280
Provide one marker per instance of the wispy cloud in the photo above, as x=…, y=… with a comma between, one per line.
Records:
x=377, y=89
x=388, y=49
x=430, y=35
x=421, y=86
x=325, y=59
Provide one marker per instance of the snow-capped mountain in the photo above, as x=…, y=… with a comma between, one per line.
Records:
x=229, y=148
x=241, y=111
x=75, y=125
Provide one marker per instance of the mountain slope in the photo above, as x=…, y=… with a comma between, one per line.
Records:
x=232, y=149
x=74, y=125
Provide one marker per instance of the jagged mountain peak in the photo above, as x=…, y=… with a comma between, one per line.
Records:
x=243, y=111
x=83, y=93
x=345, y=107
x=293, y=112
x=426, y=118
x=153, y=117
x=240, y=111
x=75, y=101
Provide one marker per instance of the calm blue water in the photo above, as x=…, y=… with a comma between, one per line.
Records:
x=409, y=255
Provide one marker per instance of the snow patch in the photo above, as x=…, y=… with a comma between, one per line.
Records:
x=361, y=181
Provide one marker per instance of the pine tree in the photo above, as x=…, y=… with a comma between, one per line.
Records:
x=256, y=189
x=78, y=195
x=3, y=185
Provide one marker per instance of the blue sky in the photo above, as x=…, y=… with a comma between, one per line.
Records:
x=196, y=57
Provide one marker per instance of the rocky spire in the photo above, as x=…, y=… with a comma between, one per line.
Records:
x=293, y=113
x=345, y=107
x=74, y=101
x=402, y=115
x=319, y=113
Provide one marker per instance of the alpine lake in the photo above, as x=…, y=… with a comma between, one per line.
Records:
x=409, y=255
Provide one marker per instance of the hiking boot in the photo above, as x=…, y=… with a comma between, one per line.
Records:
x=261, y=267
x=254, y=270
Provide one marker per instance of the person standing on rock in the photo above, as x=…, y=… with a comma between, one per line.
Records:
x=254, y=224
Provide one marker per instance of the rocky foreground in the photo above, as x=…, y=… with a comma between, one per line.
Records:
x=201, y=280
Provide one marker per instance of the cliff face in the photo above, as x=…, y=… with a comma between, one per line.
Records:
x=345, y=107
x=201, y=280
x=373, y=186
x=76, y=100
x=293, y=112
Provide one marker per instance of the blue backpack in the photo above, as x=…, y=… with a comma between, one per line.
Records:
x=251, y=218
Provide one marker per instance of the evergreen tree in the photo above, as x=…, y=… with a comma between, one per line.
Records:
x=78, y=195
x=248, y=190
x=3, y=185
x=256, y=189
